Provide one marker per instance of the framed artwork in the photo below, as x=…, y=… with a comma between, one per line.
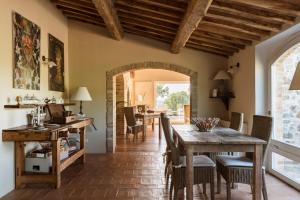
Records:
x=56, y=73
x=26, y=53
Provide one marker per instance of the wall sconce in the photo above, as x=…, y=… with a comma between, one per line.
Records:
x=47, y=61
x=234, y=68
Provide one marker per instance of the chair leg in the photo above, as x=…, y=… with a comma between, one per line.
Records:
x=171, y=189
x=204, y=187
x=264, y=186
x=212, y=187
x=218, y=182
x=228, y=188
x=175, y=193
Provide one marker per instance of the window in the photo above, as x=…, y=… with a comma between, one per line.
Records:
x=284, y=154
x=172, y=98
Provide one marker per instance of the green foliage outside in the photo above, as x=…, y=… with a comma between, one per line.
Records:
x=162, y=91
x=177, y=99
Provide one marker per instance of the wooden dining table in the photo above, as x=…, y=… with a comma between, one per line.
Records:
x=146, y=116
x=219, y=140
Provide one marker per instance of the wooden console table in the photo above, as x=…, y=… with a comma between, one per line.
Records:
x=22, y=134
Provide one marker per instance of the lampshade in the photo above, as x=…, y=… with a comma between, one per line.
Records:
x=82, y=94
x=222, y=75
x=295, y=84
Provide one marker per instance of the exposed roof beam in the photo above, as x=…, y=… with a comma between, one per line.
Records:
x=279, y=6
x=223, y=37
x=242, y=27
x=263, y=13
x=231, y=11
x=107, y=11
x=227, y=30
x=195, y=12
x=243, y=20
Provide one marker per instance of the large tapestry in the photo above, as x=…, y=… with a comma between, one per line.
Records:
x=26, y=56
x=56, y=73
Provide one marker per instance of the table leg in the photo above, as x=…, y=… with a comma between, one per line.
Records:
x=144, y=128
x=189, y=173
x=159, y=128
x=56, y=162
x=82, y=142
x=257, y=172
x=19, y=162
x=153, y=123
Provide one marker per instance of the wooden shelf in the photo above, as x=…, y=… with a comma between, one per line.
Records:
x=224, y=99
x=32, y=105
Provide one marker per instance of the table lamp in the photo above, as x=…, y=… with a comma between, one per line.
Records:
x=82, y=94
x=295, y=84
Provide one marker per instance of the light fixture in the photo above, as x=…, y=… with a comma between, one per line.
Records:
x=82, y=94
x=47, y=61
x=233, y=68
x=295, y=84
x=222, y=75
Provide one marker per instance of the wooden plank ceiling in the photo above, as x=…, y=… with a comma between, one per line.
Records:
x=221, y=27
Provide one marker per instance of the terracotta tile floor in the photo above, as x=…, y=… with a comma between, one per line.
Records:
x=135, y=172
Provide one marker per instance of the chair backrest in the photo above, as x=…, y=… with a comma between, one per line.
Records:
x=262, y=129
x=236, y=121
x=169, y=139
x=130, y=115
x=141, y=108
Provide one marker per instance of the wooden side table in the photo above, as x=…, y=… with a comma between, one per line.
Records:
x=22, y=134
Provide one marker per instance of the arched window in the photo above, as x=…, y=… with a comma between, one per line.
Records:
x=284, y=159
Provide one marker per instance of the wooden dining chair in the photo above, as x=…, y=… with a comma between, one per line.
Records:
x=133, y=126
x=236, y=123
x=204, y=167
x=239, y=169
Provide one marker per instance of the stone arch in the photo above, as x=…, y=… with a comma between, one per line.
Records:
x=110, y=93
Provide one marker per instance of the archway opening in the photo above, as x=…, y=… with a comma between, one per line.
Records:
x=111, y=94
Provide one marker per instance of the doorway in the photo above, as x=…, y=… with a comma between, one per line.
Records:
x=111, y=93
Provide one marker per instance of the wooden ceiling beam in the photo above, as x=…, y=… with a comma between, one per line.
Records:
x=226, y=30
x=82, y=5
x=235, y=13
x=107, y=11
x=243, y=21
x=278, y=6
x=161, y=33
x=220, y=36
x=83, y=15
x=141, y=19
x=170, y=4
x=233, y=47
x=265, y=14
x=195, y=12
x=151, y=9
x=242, y=27
x=205, y=49
x=87, y=20
x=212, y=47
x=149, y=26
x=151, y=15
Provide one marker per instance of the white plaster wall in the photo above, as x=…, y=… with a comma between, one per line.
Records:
x=50, y=20
x=93, y=52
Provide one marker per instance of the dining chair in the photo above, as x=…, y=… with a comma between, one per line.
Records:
x=236, y=123
x=133, y=126
x=239, y=169
x=204, y=167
